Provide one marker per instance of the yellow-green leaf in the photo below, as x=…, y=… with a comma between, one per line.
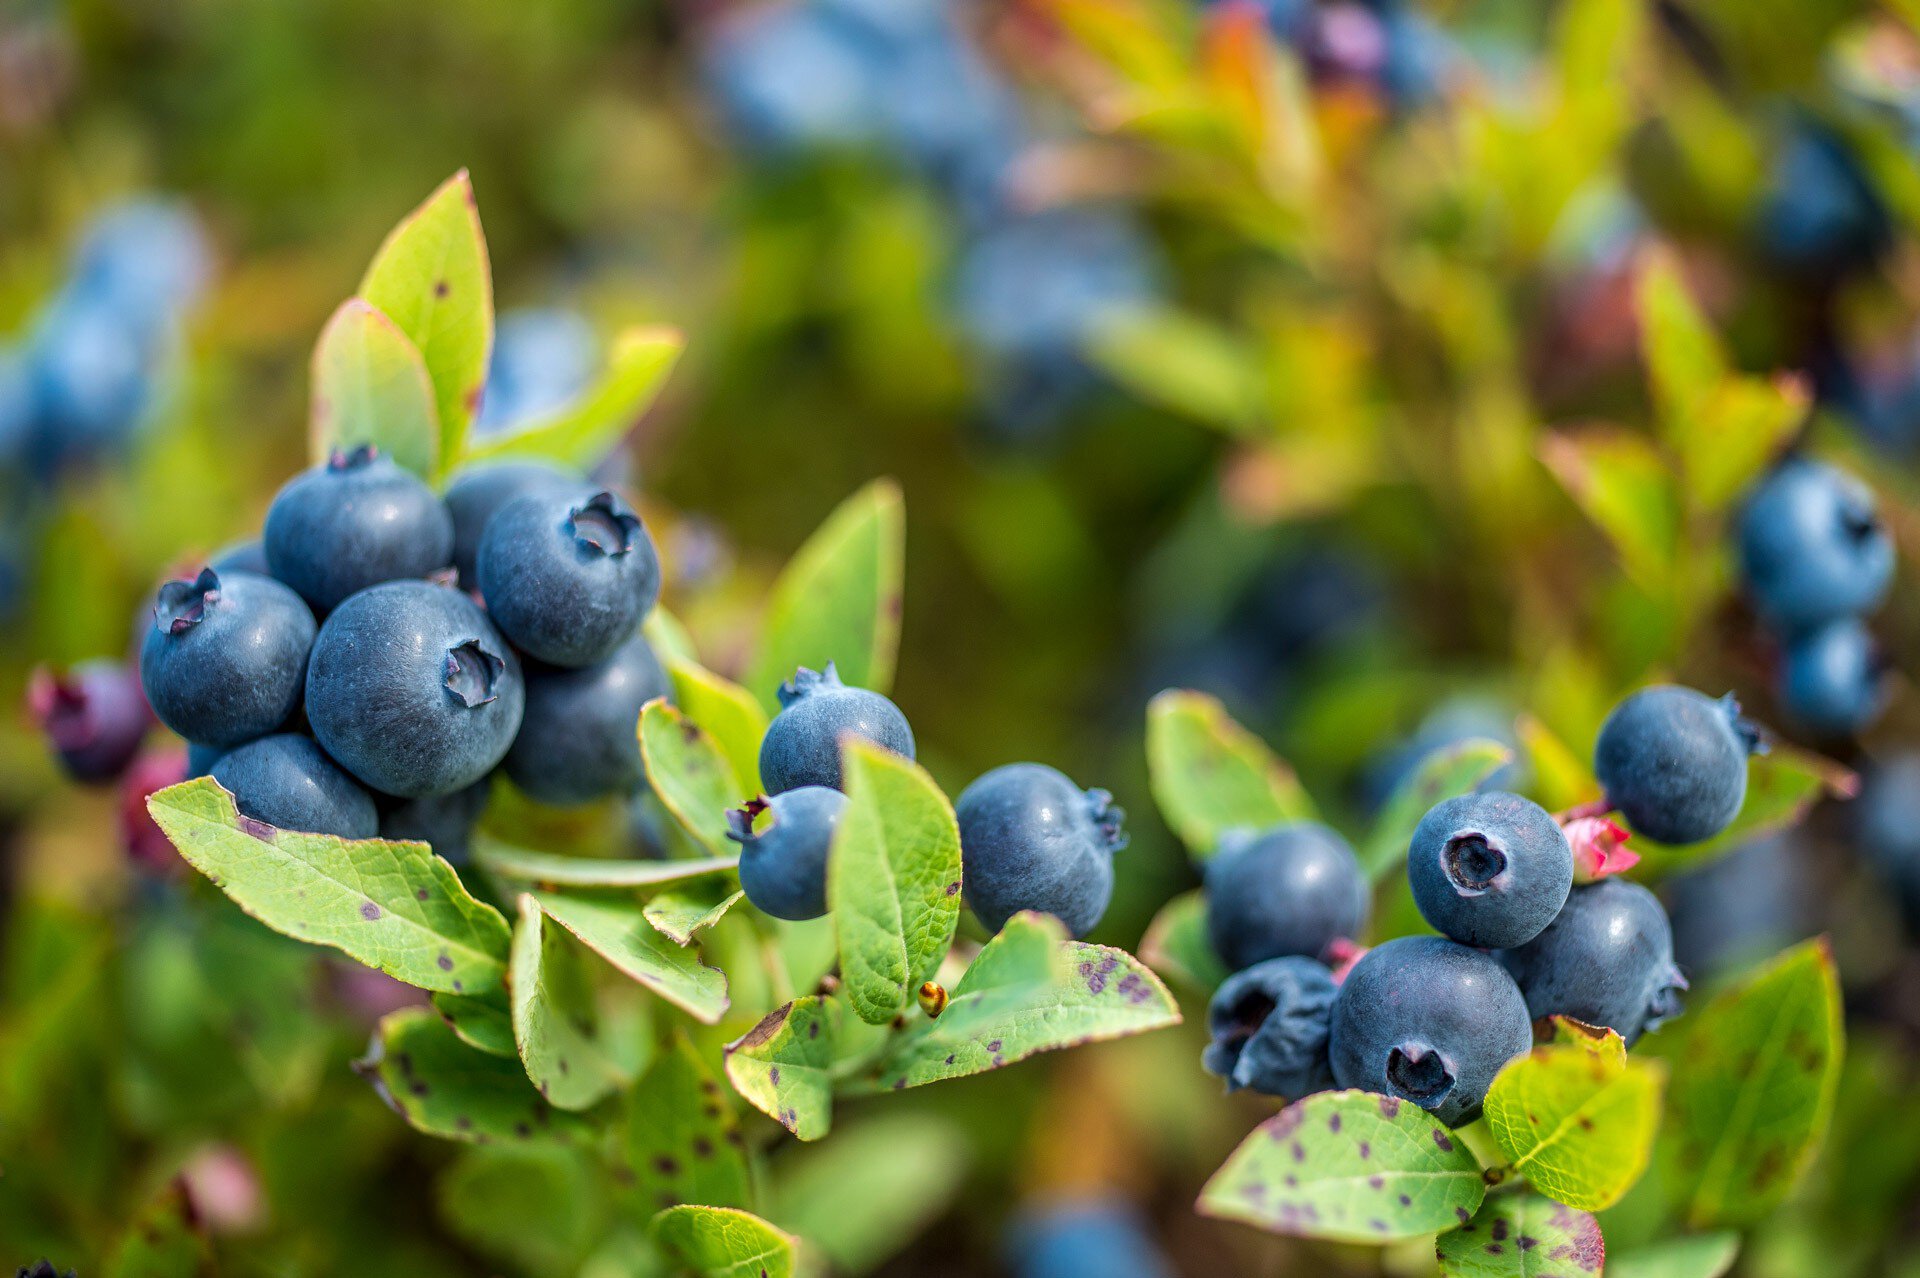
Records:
x=695, y=781
x=722, y=1242
x=783, y=1066
x=728, y=712
x=583, y=433
x=554, y=1019
x=1210, y=775
x=370, y=386
x=1577, y=1121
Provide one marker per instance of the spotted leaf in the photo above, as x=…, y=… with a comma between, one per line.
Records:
x=1578, y=1121
x=783, y=1066
x=555, y=1023
x=1210, y=775
x=693, y=778
x=681, y=1139
x=445, y=1088
x=721, y=1242
x=1523, y=1236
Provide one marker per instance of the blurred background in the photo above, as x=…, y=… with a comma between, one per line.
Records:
x=1287, y=350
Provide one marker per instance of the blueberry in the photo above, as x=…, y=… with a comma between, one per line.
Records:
x=568, y=578
x=201, y=758
x=1743, y=906
x=542, y=359
x=1887, y=817
x=1821, y=216
x=354, y=522
x=1489, y=869
x=795, y=76
x=92, y=380
x=1813, y=548
x=1833, y=679
x=226, y=657
x=290, y=783
x=413, y=690
x=802, y=745
x=1030, y=839
x=579, y=737
x=242, y=556
x=145, y=259
x=1093, y=1238
x=1675, y=762
x=1292, y=890
x=1430, y=1021
x=445, y=821
x=477, y=494
x=783, y=864
x=1607, y=960
x=94, y=716
x=1269, y=1027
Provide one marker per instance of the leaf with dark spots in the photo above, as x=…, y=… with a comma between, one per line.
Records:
x=1522, y=1235
x=783, y=1065
x=445, y=1088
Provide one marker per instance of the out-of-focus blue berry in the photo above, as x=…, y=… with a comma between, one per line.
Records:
x=225, y=658
x=543, y=358
x=1489, y=869
x=18, y=407
x=1269, y=1026
x=783, y=863
x=795, y=76
x=1040, y=283
x=1675, y=762
x=1820, y=216
x=802, y=745
x=444, y=821
x=242, y=556
x=1606, y=960
x=1030, y=839
x=201, y=758
x=1832, y=681
x=1292, y=890
x=290, y=783
x=1813, y=548
x=92, y=378
x=94, y=717
x=579, y=738
x=1457, y=719
x=1098, y=1238
x=1429, y=1021
x=1887, y=817
x=352, y=522
x=1741, y=907
x=146, y=260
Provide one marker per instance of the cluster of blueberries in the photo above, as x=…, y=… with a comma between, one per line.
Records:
x=903, y=78
x=1817, y=560
x=1432, y=1019
x=1030, y=839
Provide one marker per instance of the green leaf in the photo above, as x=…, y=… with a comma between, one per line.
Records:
x=1029, y=990
x=554, y=1018
x=1577, y=1121
x=681, y=1138
x=583, y=433
x=1561, y=779
x=1781, y=786
x=893, y=880
x=719, y=1242
x=544, y=869
x=1210, y=775
x=668, y=637
x=617, y=931
x=1523, y=1236
x=1744, y=426
x=682, y=912
x=370, y=386
x=1449, y=771
x=1183, y=361
x=838, y=599
x=1177, y=945
x=1348, y=1166
x=536, y=1207
x=1685, y=362
x=728, y=712
x=164, y=1242
x=445, y=1088
x=394, y=906
x=871, y=1190
x=693, y=778
x=1701, y=1256
x=484, y=1022
x=1754, y=1073
x=1627, y=489
x=783, y=1066
x=431, y=278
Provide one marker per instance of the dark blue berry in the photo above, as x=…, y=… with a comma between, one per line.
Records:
x=1429, y=1021
x=802, y=745
x=1030, y=839
x=1292, y=890
x=1607, y=960
x=94, y=717
x=225, y=659
x=478, y=493
x=1821, y=216
x=579, y=736
x=1086, y=1238
x=289, y=782
x=783, y=863
x=1813, y=547
x=1489, y=869
x=201, y=758
x=1269, y=1026
x=1887, y=817
x=444, y=821
x=1832, y=681
x=413, y=690
x=354, y=522
x=568, y=578
x=1675, y=762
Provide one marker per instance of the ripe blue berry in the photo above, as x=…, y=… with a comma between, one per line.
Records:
x=578, y=739
x=1429, y=1021
x=1489, y=869
x=1269, y=1027
x=289, y=782
x=445, y=821
x=354, y=522
x=568, y=578
x=478, y=493
x=1888, y=819
x=802, y=745
x=201, y=758
x=1833, y=680
x=1030, y=839
x=1675, y=762
x=94, y=717
x=1813, y=547
x=1607, y=960
x=1294, y=889
x=413, y=690
x=783, y=864
x=226, y=657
